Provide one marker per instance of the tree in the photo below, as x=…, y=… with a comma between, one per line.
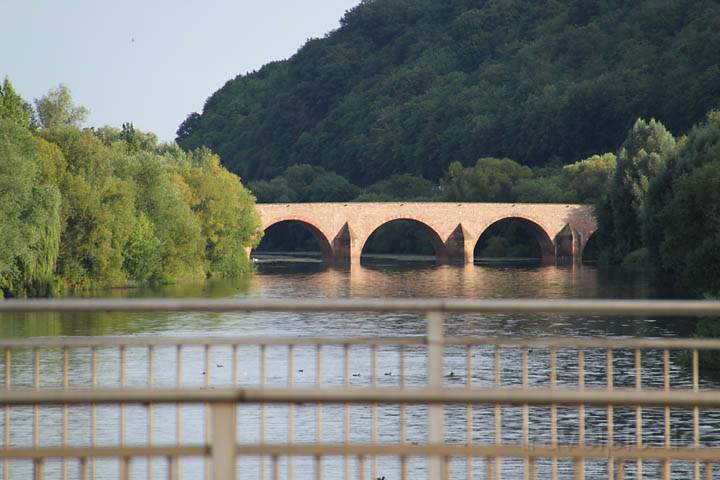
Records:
x=682, y=227
x=588, y=179
x=540, y=190
x=13, y=107
x=166, y=231
x=489, y=180
x=305, y=183
x=641, y=158
x=691, y=245
x=225, y=208
x=29, y=216
x=400, y=187
x=56, y=109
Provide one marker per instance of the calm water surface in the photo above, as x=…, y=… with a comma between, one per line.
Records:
x=382, y=277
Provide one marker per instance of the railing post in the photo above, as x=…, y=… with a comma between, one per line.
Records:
x=435, y=339
x=223, y=440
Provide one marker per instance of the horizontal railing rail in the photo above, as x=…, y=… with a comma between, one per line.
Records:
x=298, y=396
x=624, y=402
x=518, y=306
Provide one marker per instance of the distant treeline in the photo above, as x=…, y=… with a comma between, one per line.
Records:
x=488, y=180
x=82, y=208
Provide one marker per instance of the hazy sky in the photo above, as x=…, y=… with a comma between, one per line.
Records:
x=182, y=50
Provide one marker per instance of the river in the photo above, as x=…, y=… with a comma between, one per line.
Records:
x=382, y=276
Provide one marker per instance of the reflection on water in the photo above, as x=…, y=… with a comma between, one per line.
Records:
x=381, y=276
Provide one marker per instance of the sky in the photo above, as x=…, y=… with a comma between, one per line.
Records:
x=150, y=62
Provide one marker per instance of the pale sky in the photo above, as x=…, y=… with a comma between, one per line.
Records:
x=182, y=51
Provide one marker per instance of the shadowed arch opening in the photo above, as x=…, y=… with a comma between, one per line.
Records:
x=591, y=251
x=514, y=239
x=405, y=239
x=294, y=238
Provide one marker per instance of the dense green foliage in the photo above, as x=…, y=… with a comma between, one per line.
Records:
x=412, y=86
x=661, y=208
x=682, y=210
x=29, y=215
x=304, y=183
x=400, y=187
x=641, y=158
x=488, y=180
x=91, y=208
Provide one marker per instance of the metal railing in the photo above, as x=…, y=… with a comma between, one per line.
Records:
x=426, y=406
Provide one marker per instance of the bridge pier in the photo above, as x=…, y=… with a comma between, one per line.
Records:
x=460, y=246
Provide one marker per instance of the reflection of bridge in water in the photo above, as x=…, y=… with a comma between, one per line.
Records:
x=342, y=229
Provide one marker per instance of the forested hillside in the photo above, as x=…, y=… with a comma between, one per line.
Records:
x=409, y=86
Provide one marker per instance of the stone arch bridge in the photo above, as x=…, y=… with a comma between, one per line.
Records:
x=342, y=229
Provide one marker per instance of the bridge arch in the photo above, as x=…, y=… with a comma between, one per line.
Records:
x=317, y=233
x=439, y=247
x=533, y=227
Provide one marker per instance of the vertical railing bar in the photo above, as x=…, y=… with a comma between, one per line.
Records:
x=275, y=467
x=318, y=410
x=610, y=413
x=532, y=474
x=178, y=407
x=206, y=424
x=553, y=414
x=638, y=411
x=235, y=370
x=436, y=350
x=498, y=410
x=223, y=440
x=709, y=470
x=172, y=467
x=469, y=414
x=121, y=414
x=346, y=410
x=38, y=469
x=580, y=463
x=93, y=410
x=151, y=385
x=621, y=470
x=402, y=405
x=263, y=409
x=36, y=407
x=373, y=409
x=37, y=463
x=666, y=465
x=66, y=412
x=403, y=458
x=124, y=468
x=83, y=468
x=361, y=467
x=291, y=409
x=8, y=412
x=696, y=409
x=525, y=410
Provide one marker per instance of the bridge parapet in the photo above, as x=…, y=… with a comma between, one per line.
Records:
x=342, y=229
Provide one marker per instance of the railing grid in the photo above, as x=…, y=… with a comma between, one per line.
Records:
x=430, y=406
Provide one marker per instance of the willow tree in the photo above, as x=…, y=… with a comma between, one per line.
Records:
x=29, y=216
